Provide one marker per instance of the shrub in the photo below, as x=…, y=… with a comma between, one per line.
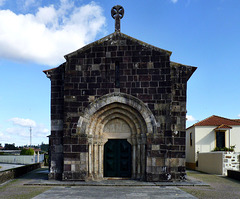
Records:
x=27, y=152
x=231, y=148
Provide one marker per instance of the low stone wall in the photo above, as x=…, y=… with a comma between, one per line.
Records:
x=231, y=161
x=218, y=162
x=16, y=172
x=21, y=159
x=233, y=174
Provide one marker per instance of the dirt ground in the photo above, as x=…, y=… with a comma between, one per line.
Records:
x=220, y=186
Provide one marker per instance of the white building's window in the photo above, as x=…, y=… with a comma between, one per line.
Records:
x=190, y=139
x=220, y=139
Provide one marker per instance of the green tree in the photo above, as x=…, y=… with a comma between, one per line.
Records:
x=44, y=147
x=10, y=147
x=27, y=152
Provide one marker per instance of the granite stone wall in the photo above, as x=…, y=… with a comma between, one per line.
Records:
x=57, y=110
x=17, y=172
x=119, y=64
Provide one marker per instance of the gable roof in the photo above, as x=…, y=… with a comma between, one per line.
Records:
x=223, y=126
x=116, y=39
x=116, y=36
x=215, y=120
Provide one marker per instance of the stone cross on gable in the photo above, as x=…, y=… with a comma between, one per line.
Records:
x=117, y=13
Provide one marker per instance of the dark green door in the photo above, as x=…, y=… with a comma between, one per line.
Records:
x=117, y=158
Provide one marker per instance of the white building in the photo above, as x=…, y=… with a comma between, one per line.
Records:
x=208, y=134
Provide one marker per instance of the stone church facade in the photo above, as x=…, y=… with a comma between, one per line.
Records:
x=118, y=109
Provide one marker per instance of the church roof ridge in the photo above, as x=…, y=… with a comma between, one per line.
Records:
x=108, y=37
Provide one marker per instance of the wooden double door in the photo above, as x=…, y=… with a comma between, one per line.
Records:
x=117, y=158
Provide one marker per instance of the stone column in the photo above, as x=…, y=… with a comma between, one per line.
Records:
x=90, y=149
x=95, y=159
x=133, y=158
x=100, y=160
x=143, y=156
x=138, y=157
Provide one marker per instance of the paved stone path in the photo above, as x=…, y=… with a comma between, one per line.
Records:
x=94, y=192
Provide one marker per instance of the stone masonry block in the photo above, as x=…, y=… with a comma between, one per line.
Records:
x=56, y=125
x=155, y=147
x=146, y=73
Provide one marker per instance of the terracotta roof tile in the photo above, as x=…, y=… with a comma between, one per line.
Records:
x=217, y=121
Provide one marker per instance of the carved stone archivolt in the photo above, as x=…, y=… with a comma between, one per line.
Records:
x=117, y=116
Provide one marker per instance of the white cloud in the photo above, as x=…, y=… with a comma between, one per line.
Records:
x=23, y=122
x=37, y=132
x=190, y=118
x=19, y=132
x=46, y=36
x=40, y=131
x=4, y=138
x=238, y=115
x=174, y=1
x=23, y=128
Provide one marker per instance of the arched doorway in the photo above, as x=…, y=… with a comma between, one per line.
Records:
x=117, y=158
x=117, y=119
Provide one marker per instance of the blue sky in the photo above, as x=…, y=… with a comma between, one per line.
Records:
x=36, y=34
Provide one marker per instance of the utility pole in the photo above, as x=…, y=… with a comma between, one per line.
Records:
x=30, y=137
